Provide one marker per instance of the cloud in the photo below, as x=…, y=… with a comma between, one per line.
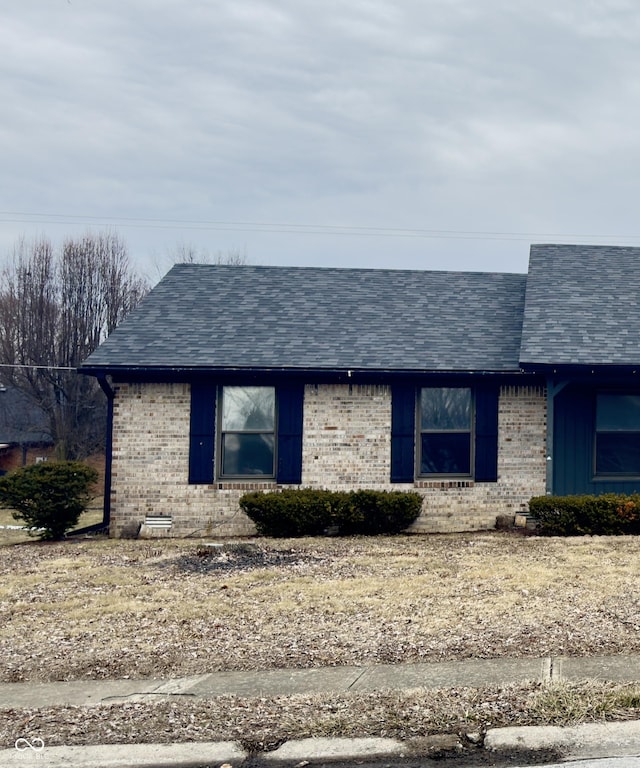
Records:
x=430, y=114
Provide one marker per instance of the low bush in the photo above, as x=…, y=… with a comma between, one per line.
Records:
x=49, y=497
x=310, y=512
x=606, y=515
x=291, y=512
x=376, y=512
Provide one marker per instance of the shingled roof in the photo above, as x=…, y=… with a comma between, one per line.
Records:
x=582, y=306
x=21, y=420
x=220, y=317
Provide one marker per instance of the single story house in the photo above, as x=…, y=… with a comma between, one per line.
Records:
x=477, y=390
x=24, y=431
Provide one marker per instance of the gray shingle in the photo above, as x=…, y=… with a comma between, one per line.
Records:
x=21, y=420
x=204, y=316
x=582, y=306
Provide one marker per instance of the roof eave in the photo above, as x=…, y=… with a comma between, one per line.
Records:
x=582, y=369
x=172, y=372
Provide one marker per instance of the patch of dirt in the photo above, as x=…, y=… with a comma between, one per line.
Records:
x=237, y=557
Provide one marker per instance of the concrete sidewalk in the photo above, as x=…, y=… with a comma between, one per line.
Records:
x=473, y=673
x=589, y=740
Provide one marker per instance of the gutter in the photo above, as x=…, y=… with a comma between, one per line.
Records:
x=97, y=528
x=106, y=509
x=582, y=370
x=184, y=373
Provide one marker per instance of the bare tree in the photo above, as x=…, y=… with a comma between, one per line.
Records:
x=55, y=309
x=187, y=253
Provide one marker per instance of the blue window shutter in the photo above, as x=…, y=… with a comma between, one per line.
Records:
x=486, y=469
x=403, y=433
x=202, y=432
x=290, y=397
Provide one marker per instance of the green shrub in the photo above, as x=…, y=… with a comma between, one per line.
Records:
x=290, y=512
x=380, y=512
x=606, y=515
x=49, y=497
x=310, y=512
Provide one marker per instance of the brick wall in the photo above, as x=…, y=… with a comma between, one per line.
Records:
x=346, y=444
x=150, y=467
x=522, y=427
x=346, y=436
x=347, y=441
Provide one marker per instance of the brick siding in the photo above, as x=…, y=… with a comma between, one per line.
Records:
x=346, y=445
x=14, y=456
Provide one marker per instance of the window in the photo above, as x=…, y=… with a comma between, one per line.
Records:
x=445, y=422
x=253, y=440
x=248, y=427
x=617, y=449
x=434, y=429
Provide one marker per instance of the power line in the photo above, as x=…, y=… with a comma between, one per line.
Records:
x=298, y=229
x=39, y=367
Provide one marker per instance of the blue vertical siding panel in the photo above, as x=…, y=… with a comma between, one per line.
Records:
x=573, y=442
x=574, y=436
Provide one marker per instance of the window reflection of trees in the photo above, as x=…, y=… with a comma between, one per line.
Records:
x=248, y=408
x=248, y=427
x=445, y=427
x=445, y=408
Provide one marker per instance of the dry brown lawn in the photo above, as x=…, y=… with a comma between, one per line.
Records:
x=99, y=608
x=265, y=722
x=10, y=532
x=103, y=608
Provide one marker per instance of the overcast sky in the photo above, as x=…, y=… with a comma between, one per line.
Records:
x=419, y=134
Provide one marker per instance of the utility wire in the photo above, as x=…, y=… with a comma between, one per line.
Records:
x=39, y=367
x=291, y=228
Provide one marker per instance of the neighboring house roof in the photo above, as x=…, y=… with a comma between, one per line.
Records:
x=582, y=306
x=254, y=317
x=22, y=422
